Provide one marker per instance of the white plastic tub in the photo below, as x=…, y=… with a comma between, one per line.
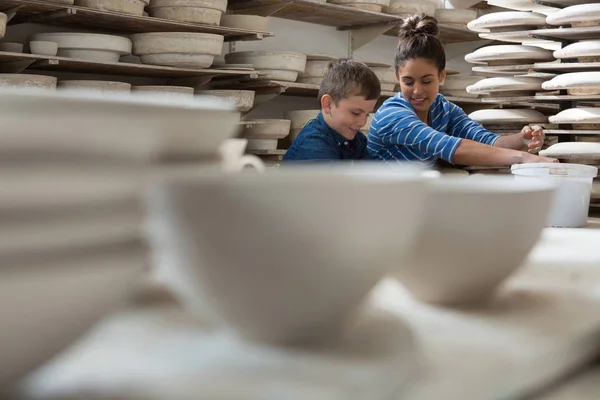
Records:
x=572, y=200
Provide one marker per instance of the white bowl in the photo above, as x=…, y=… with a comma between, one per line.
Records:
x=477, y=231
x=43, y=47
x=46, y=304
x=241, y=257
x=88, y=46
x=156, y=126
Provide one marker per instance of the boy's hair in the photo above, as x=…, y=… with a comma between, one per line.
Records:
x=345, y=78
x=418, y=39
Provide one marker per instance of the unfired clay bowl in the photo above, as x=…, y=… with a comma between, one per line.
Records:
x=276, y=65
x=95, y=86
x=243, y=99
x=460, y=255
x=27, y=81
x=47, y=319
x=88, y=46
x=177, y=49
x=11, y=47
x=272, y=279
x=263, y=134
x=43, y=48
x=199, y=11
x=249, y=22
x=403, y=7
x=299, y=118
x=315, y=68
x=368, y=5
x=386, y=75
x=135, y=7
x=168, y=91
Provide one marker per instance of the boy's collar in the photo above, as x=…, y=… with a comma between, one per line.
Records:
x=339, y=138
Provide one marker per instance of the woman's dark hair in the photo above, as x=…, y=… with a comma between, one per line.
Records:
x=418, y=39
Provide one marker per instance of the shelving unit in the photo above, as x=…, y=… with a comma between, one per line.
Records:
x=36, y=11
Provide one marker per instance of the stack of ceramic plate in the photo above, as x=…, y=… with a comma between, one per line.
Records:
x=70, y=212
x=316, y=64
x=507, y=120
x=507, y=60
x=507, y=86
x=584, y=122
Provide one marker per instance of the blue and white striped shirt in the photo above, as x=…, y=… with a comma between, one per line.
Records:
x=397, y=133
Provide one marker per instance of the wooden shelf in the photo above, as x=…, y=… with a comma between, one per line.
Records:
x=37, y=11
x=571, y=132
x=449, y=34
x=276, y=87
x=64, y=64
x=567, y=67
x=341, y=17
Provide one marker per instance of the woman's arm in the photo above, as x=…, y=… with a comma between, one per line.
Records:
x=529, y=139
x=470, y=152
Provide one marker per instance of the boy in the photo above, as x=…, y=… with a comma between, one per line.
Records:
x=348, y=94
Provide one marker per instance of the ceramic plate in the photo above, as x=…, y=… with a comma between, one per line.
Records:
x=156, y=126
x=508, y=52
x=522, y=5
x=574, y=80
x=506, y=84
x=508, y=116
x=587, y=48
x=506, y=19
x=588, y=150
x=581, y=115
x=580, y=15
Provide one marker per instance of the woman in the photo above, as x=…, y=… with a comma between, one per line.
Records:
x=419, y=124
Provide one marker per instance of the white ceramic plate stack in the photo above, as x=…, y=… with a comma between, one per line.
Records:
x=315, y=68
x=243, y=99
x=88, y=46
x=27, y=81
x=522, y=5
x=507, y=21
x=199, y=11
x=507, y=120
x=264, y=134
x=576, y=83
x=177, y=49
x=584, y=51
x=299, y=119
x=456, y=85
x=368, y=5
x=455, y=17
x=135, y=7
x=507, y=87
x=404, y=7
x=575, y=152
x=582, y=15
x=273, y=65
x=507, y=59
x=386, y=75
x=581, y=118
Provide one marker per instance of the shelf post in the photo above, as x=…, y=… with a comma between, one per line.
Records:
x=359, y=37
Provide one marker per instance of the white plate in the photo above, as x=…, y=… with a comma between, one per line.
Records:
x=587, y=48
x=574, y=80
x=522, y=5
x=508, y=52
x=506, y=19
x=580, y=15
x=588, y=150
x=508, y=116
x=112, y=125
x=501, y=84
x=581, y=115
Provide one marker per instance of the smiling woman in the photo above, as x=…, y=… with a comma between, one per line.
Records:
x=419, y=124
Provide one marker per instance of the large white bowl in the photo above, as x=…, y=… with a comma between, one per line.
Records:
x=46, y=304
x=275, y=256
x=88, y=46
x=156, y=127
x=476, y=232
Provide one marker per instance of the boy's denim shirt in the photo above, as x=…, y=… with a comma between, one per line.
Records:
x=318, y=142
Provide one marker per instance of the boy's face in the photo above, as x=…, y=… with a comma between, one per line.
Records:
x=349, y=116
x=420, y=83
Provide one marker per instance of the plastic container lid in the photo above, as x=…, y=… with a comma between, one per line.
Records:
x=555, y=170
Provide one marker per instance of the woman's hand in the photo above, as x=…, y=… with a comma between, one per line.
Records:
x=533, y=138
x=532, y=158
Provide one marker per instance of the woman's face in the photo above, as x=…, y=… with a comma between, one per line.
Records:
x=420, y=83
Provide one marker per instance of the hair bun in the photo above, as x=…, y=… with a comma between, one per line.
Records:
x=419, y=24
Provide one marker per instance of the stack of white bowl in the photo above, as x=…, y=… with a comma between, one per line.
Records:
x=72, y=246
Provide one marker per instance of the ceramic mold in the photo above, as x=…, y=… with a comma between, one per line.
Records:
x=28, y=81
x=315, y=68
x=243, y=99
x=135, y=7
x=508, y=55
x=276, y=65
x=169, y=91
x=11, y=47
x=455, y=261
x=263, y=134
x=576, y=16
x=199, y=11
x=403, y=7
x=249, y=22
x=43, y=48
x=368, y=5
x=177, y=49
x=95, y=86
x=88, y=46
x=506, y=20
x=226, y=269
x=576, y=83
